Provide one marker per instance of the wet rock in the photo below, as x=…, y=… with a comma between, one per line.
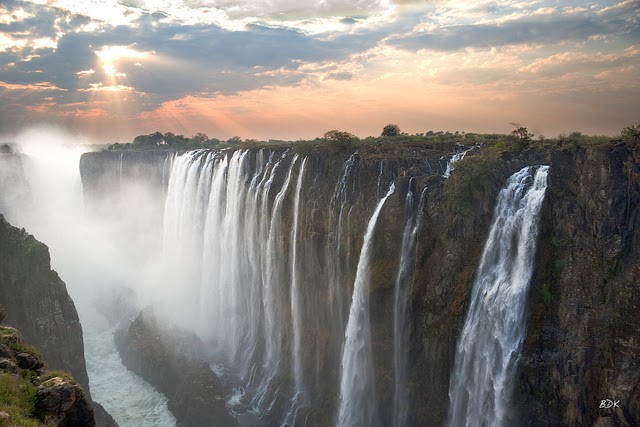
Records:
x=172, y=360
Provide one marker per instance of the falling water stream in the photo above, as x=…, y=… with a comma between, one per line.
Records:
x=491, y=339
x=404, y=279
x=296, y=311
x=357, y=405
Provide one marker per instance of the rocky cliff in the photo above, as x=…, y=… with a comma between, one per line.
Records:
x=30, y=394
x=582, y=340
x=36, y=301
x=173, y=361
x=583, y=350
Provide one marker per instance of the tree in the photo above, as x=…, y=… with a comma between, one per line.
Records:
x=521, y=132
x=391, y=130
x=340, y=139
x=148, y=140
x=631, y=133
x=199, y=138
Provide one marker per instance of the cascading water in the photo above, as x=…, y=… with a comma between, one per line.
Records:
x=491, y=339
x=296, y=311
x=273, y=284
x=336, y=263
x=401, y=301
x=358, y=405
x=236, y=274
x=454, y=159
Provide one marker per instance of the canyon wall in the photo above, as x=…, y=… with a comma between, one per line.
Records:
x=581, y=345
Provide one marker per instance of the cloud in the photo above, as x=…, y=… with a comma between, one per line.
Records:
x=545, y=27
x=123, y=59
x=339, y=76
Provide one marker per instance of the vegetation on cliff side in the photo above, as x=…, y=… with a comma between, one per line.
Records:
x=32, y=396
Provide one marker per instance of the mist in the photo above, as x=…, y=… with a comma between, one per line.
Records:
x=106, y=258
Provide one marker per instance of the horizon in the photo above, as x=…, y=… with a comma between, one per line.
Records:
x=110, y=71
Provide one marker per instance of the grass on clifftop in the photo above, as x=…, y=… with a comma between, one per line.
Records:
x=18, y=399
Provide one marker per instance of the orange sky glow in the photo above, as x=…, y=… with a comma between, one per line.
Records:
x=285, y=72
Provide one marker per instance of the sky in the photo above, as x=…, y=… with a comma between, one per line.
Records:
x=285, y=69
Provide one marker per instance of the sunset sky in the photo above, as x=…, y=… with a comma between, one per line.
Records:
x=114, y=69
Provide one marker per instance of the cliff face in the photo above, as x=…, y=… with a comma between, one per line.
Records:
x=131, y=185
x=582, y=338
x=36, y=301
x=173, y=361
x=32, y=395
x=582, y=346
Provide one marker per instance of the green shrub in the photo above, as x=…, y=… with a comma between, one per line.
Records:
x=469, y=182
x=341, y=140
x=26, y=348
x=303, y=148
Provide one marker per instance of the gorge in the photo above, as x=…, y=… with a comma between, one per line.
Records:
x=339, y=287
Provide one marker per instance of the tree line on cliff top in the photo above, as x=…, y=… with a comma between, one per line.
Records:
x=519, y=138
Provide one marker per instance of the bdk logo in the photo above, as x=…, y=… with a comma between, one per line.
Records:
x=608, y=403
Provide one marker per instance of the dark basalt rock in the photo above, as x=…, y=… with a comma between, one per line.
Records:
x=9, y=366
x=64, y=403
x=37, y=302
x=172, y=360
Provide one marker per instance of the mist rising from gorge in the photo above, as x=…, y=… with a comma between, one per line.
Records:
x=104, y=264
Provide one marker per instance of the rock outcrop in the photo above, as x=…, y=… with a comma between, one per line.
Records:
x=37, y=302
x=33, y=394
x=173, y=361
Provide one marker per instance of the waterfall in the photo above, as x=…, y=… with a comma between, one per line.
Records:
x=401, y=300
x=296, y=310
x=337, y=262
x=358, y=405
x=455, y=158
x=120, y=175
x=275, y=260
x=491, y=339
x=228, y=263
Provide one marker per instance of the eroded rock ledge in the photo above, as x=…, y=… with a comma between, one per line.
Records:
x=173, y=361
x=31, y=394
